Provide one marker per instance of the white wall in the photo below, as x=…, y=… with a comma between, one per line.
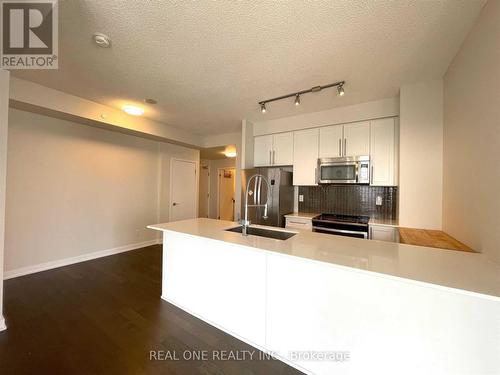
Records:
x=4, y=111
x=421, y=155
x=471, y=206
x=340, y=115
x=30, y=96
x=74, y=189
x=247, y=143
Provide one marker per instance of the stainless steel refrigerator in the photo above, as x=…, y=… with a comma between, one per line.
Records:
x=281, y=197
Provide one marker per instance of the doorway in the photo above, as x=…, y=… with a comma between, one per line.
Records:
x=204, y=193
x=183, y=197
x=226, y=190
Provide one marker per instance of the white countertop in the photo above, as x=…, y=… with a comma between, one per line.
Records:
x=469, y=272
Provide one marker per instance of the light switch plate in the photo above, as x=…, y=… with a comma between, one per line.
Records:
x=378, y=200
x=301, y=198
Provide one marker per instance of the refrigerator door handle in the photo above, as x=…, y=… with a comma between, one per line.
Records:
x=255, y=191
x=259, y=187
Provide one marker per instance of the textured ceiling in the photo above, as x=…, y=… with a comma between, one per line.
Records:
x=208, y=63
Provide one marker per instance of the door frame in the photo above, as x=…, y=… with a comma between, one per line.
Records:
x=218, y=190
x=208, y=189
x=196, y=191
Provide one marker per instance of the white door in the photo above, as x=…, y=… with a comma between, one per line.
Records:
x=283, y=149
x=262, y=150
x=182, y=189
x=383, y=152
x=357, y=139
x=330, y=141
x=226, y=193
x=305, y=157
x=203, y=196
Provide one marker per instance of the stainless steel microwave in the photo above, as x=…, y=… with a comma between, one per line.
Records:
x=344, y=170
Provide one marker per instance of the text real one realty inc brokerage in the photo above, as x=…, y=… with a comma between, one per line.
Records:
x=243, y=355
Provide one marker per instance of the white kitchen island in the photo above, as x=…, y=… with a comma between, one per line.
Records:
x=387, y=308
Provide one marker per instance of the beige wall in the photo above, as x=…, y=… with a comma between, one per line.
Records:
x=4, y=104
x=421, y=155
x=471, y=207
x=74, y=189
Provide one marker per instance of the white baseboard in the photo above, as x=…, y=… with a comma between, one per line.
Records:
x=3, y=327
x=80, y=258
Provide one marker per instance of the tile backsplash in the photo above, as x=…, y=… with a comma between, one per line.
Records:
x=350, y=200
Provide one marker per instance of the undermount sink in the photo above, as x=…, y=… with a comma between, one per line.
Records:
x=261, y=232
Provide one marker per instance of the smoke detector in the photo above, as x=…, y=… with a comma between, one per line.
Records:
x=102, y=40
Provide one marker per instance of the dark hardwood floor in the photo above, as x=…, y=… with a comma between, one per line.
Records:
x=104, y=317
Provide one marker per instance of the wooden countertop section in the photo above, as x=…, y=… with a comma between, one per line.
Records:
x=431, y=238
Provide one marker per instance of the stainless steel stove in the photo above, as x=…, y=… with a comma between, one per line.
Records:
x=342, y=225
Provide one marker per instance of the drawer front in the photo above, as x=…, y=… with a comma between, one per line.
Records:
x=298, y=223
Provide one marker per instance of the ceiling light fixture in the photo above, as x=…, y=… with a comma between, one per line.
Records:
x=230, y=154
x=339, y=85
x=133, y=110
x=340, y=90
x=102, y=40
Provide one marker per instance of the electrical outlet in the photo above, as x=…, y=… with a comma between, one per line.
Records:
x=301, y=198
x=378, y=200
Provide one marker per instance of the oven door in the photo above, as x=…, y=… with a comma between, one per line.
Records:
x=342, y=232
x=338, y=173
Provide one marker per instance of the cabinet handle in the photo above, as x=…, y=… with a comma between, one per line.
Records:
x=340, y=147
x=270, y=152
x=274, y=153
x=371, y=176
x=297, y=222
x=345, y=146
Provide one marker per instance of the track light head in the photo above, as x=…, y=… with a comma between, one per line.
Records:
x=263, y=107
x=340, y=89
x=297, y=99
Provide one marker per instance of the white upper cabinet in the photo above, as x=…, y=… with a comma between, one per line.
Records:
x=273, y=149
x=356, y=139
x=262, y=150
x=383, y=155
x=283, y=149
x=305, y=157
x=330, y=141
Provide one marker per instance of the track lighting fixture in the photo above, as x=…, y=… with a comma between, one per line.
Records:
x=297, y=99
x=340, y=90
x=339, y=85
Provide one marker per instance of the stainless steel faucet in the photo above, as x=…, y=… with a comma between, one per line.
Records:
x=258, y=182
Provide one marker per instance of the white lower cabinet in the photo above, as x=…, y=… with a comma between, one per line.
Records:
x=383, y=233
x=305, y=157
x=298, y=223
